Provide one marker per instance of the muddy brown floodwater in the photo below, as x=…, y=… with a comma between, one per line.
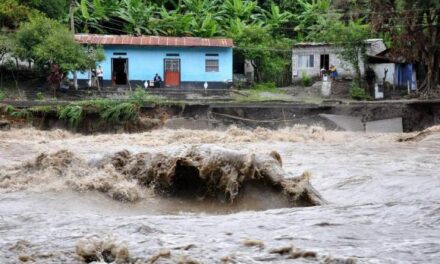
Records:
x=300, y=194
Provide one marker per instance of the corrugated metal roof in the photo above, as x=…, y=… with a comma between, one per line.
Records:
x=153, y=41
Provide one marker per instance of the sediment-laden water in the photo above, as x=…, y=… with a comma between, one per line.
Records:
x=62, y=199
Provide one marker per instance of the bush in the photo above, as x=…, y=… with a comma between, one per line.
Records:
x=2, y=95
x=306, y=79
x=357, y=93
x=140, y=97
x=40, y=96
x=72, y=113
x=120, y=112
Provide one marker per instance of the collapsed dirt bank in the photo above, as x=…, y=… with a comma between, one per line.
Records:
x=416, y=116
x=194, y=172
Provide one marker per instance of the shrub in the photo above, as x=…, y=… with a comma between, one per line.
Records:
x=40, y=96
x=120, y=112
x=357, y=93
x=306, y=79
x=2, y=95
x=72, y=113
x=140, y=97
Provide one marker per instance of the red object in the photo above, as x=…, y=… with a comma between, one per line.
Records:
x=172, y=79
x=153, y=41
x=172, y=72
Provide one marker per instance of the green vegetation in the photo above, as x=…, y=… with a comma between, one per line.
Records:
x=2, y=95
x=48, y=44
x=140, y=97
x=413, y=28
x=305, y=79
x=357, y=93
x=40, y=96
x=261, y=92
x=72, y=113
x=348, y=37
x=121, y=112
x=18, y=113
x=263, y=31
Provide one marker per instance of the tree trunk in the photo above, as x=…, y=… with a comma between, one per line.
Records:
x=432, y=77
x=72, y=28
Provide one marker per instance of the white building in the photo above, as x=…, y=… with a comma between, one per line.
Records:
x=310, y=58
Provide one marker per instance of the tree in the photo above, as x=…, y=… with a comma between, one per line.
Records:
x=47, y=43
x=6, y=44
x=347, y=37
x=55, y=9
x=12, y=13
x=309, y=15
x=414, y=27
x=270, y=57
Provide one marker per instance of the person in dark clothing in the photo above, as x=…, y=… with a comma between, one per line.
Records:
x=157, y=81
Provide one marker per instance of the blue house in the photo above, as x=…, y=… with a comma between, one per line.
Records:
x=181, y=62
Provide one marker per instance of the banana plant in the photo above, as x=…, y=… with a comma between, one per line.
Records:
x=274, y=18
x=242, y=9
x=173, y=23
x=138, y=17
x=93, y=13
x=208, y=27
x=312, y=12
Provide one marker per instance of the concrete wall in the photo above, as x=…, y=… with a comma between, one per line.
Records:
x=145, y=62
x=343, y=67
x=379, y=69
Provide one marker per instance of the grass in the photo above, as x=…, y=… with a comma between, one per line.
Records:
x=357, y=93
x=140, y=96
x=260, y=93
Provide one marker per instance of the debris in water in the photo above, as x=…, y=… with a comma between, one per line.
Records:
x=331, y=260
x=161, y=254
x=108, y=250
x=253, y=243
x=282, y=250
x=421, y=135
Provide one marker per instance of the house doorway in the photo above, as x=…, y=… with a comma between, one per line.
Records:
x=172, y=72
x=325, y=62
x=120, y=71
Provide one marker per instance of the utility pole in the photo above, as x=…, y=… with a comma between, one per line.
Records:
x=72, y=28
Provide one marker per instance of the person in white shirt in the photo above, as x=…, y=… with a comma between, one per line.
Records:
x=100, y=74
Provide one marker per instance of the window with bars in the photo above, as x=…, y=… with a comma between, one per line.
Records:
x=306, y=61
x=211, y=65
x=172, y=65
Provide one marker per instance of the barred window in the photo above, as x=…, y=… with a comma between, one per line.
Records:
x=211, y=65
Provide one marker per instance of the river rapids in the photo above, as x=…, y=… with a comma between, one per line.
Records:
x=294, y=195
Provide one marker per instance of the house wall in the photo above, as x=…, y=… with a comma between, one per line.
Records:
x=344, y=68
x=145, y=62
x=379, y=69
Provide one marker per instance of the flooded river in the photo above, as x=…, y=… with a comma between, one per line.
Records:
x=382, y=201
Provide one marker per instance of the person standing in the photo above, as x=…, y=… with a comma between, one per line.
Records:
x=157, y=81
x=333, y=72
x=100, y=74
